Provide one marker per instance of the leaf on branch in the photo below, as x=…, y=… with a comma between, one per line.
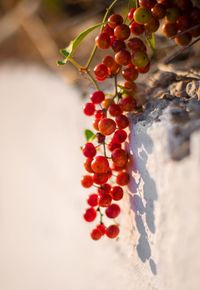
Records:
x=60, y=62
x=151, y=41
x=89, y=135
x=69, y=51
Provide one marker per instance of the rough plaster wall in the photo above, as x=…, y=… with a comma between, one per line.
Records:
x=44, y=243
x=165, y=208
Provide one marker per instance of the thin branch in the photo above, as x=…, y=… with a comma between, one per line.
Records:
x=187, y=30
x=181, y=51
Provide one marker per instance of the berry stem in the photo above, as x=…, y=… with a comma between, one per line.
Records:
x=104, y=149
x=101, y=215
x=103, y=22
x=92, y=79
x=91, y=57
x=171, y=58
x=116, y=91
x=75, y=64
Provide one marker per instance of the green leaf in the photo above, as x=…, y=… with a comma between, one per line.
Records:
x=60, y=62
x=108, y=10
x=69, y=51
x=63, y=52
x=151, y=41
x=89, y=135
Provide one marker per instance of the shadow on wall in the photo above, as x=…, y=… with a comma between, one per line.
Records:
x=143, y=193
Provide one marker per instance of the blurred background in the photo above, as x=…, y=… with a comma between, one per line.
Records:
x=33, y=31
x=44, y=243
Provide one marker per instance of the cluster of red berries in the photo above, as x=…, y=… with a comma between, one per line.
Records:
x=179, y=17
x=110, y=123
x=106, y=172
x=130, y=53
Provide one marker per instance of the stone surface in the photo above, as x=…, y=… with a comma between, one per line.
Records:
x=164, y=196
x=44, y=243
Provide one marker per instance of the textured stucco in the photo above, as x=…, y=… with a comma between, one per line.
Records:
x=44, y=243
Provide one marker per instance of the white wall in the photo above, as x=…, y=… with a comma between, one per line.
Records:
x=44, y=243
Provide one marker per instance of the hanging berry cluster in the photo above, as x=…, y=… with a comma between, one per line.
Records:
x=126, y=39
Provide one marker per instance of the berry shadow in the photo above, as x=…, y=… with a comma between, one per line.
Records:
x=143, y=193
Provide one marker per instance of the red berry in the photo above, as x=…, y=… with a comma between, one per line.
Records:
x=87, y=181
x=159, y=11
x=107, y=126
x=105, y=200
x=118, y=45
x=130, y=73
x=100, y=138
x=183, y=22
x=119, y=136
x=122, y=121
x=90, y=214
x=112, y=146
x=152, y=26
x=145, y=69
x=100, y=178
x=99, y=114
x=97, y=97
x=147, y=3
x=112, y=231
x=107, y=29
x=123, y=57
x=117, y=193
x=169, y=29
x=166, y=3
x=89, y=150
x=136, y=28
x=183, y=39
x=127, y=104
x=101, y=72
x=109, y=61
x=103, y=40
x=119, y=157
x=122, y=178
x=100, y=164
x=96, y=124
x=113, y=211
x=130, y=14
x=87, y=165
x=92, y=200
x=136, y=43
x=140, y=58
x=172, y=14
x=114, y=167
x=130, y=86
x=96, y=234
x=104, y=188
x=114, y=20
x=114, y=110
x=122, y=32
x=142, y=15
x=101, y=228
x=89, y=109
x=113, y=67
